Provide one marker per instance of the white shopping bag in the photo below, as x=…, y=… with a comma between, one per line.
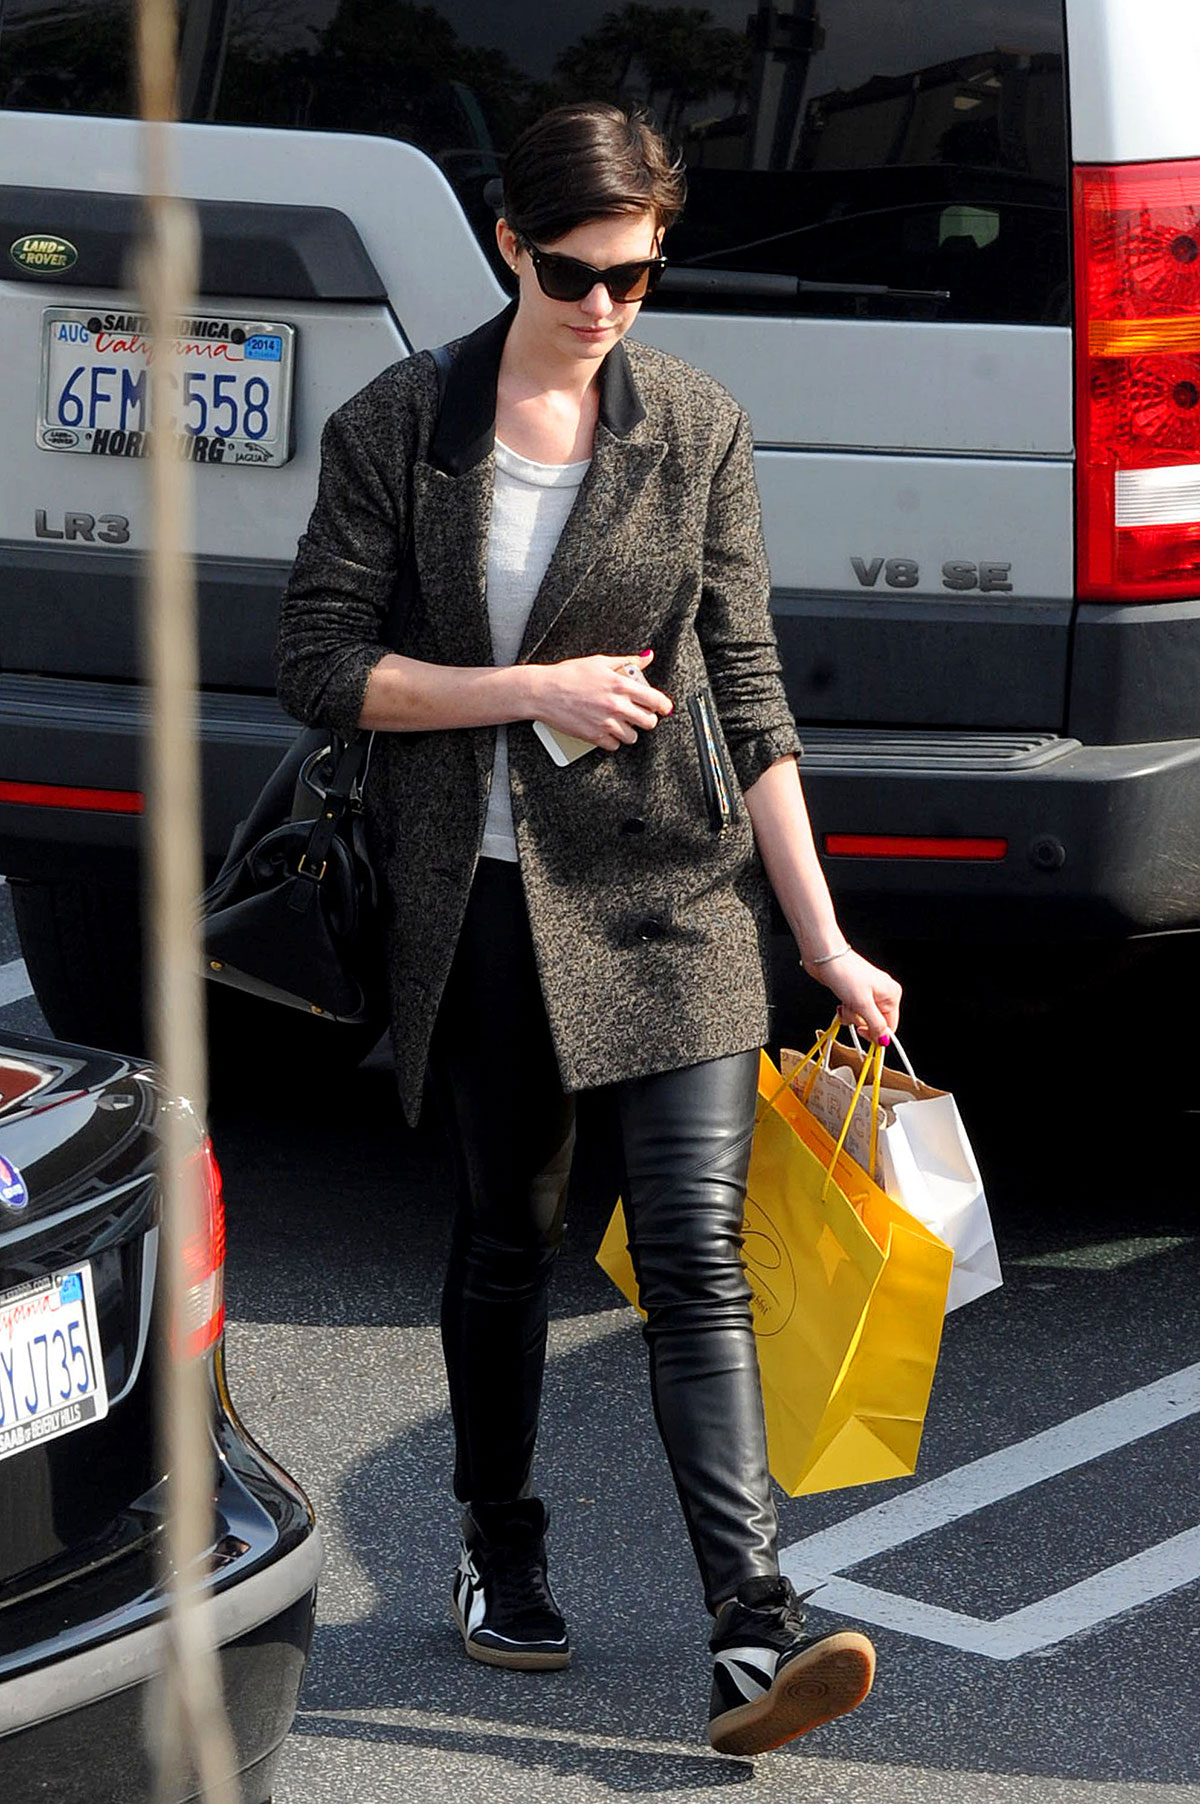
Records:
x=916, y=1149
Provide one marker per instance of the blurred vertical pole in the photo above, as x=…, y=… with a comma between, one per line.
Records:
x=189, y=1731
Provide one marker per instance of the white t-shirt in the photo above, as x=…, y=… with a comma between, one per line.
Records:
x=530, y=504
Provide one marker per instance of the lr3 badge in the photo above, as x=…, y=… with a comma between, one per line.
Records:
x=109, y=529
x=959, y=575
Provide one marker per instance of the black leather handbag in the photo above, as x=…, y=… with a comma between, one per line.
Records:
x=295, y=913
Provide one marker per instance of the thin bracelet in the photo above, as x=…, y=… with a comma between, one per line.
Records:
x=826, y=958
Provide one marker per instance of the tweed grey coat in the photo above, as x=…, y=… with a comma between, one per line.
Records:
x=646, y=897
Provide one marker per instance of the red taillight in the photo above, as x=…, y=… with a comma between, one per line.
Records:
x=67, y=795
x=913, y=845
x=1137, y=328
x=203, y=1256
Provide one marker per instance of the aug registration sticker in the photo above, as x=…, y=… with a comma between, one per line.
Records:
x=230, y=382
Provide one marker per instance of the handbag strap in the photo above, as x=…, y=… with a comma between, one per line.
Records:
x=441, y=363
x=339, y=793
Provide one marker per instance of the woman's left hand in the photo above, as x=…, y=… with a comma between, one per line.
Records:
x=869, y=997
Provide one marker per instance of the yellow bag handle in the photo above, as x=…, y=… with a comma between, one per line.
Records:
x=872, y=1063
x=819, y=1055
x=876, y=1085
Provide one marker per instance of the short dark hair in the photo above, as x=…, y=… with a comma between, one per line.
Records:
x=588, y=160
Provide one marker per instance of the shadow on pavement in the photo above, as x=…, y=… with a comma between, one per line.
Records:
x=628, y=1769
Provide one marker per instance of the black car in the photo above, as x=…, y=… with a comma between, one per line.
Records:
x=82, y=1323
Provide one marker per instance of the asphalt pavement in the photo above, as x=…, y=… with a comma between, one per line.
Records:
x=1032, y=1590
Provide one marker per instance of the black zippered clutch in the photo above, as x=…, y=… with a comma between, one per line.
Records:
x=714, y=771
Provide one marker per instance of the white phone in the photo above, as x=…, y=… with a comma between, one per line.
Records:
x=562, y=747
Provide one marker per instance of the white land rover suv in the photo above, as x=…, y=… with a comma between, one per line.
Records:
x=946, y=252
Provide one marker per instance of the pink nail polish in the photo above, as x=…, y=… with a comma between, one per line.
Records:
x=646, y=653
x=885, y=1039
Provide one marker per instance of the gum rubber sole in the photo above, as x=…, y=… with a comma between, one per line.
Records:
x=825, y=1681
x=515, y=1659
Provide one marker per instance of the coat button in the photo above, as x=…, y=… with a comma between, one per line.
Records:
x=633, y=825
x=650, y=930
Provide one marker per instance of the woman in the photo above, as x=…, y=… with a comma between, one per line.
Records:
x=584, y=531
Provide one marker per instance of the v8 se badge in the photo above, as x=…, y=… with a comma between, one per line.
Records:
x=959, y=575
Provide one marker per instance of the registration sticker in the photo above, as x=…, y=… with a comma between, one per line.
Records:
x=51, y=1365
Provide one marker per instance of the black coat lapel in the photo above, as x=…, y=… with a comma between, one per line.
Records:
x=466, y=426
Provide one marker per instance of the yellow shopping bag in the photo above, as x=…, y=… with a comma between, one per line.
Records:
x=849, y=1295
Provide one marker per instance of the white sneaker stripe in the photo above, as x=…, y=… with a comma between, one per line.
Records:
x=762, y=1660
x=514, y=1641
x=468, y=1593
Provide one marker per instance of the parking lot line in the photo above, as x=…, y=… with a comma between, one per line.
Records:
x=817, y=1562
x=14, y=982
x=1103, y=1255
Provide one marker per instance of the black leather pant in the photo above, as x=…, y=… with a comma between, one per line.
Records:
x=684, y=1141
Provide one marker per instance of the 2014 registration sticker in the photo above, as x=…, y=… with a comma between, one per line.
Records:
x=51, y=1369
x=230, y=379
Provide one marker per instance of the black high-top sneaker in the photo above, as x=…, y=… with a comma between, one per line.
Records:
x=502, y=1598
x=771, y=1682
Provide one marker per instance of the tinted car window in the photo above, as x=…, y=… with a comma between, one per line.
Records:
x=66, y=58
x=886, y=158
x=75, y=56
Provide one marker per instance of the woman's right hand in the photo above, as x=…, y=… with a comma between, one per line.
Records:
x=597, y=699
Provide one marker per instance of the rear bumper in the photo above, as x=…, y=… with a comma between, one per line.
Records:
x=56, y=732
x=98, y=1753
x=76, y=1698
x=81, y=1680
x=1098, y=840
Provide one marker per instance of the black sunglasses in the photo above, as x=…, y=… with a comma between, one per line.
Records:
x=567, y=279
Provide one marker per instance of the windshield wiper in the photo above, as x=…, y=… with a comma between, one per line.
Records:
x=687, y=278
